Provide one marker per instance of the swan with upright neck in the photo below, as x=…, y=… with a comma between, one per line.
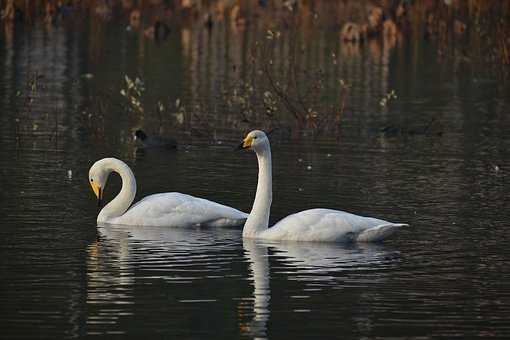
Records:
x=321, y=225
x=170, y=209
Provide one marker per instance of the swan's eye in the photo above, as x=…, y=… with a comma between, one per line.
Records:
x=91, y=180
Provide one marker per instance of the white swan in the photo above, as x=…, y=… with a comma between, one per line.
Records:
x=324, y=225
x=170, y=209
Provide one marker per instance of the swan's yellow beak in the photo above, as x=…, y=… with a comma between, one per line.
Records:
x=246, y=143
x=98, y=192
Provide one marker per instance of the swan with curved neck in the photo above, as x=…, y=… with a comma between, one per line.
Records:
x=323, y=225
x=170, y=209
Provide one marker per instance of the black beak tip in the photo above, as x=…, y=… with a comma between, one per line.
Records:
x=240, y=147
x=99, y=198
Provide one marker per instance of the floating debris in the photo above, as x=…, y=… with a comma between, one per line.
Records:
x=387, y=98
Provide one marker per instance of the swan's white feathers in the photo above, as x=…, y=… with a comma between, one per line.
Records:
x=380, y=232
x=179, y=210
x=323, y=225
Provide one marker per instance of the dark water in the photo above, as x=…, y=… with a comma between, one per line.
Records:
x=63, y=277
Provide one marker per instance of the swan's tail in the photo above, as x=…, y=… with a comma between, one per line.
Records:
x=380, y=232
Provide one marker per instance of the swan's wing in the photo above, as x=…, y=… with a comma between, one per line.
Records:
x=176, y=209
x=327, y=225
x=380, y=232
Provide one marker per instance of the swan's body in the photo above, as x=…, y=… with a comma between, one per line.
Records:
x=328, y=225
x=167, y=209
x=323, y=225
x=176, y=209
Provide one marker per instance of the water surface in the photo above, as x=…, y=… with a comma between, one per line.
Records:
x=61, y=276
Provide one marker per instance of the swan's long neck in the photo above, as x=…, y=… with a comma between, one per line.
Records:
x=120, y=204
x=259, y=216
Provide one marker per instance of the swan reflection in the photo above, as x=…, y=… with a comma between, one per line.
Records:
x=120, y=248
x=308, y=262
x=127, y=256
x=257, y=256
x=320, y=261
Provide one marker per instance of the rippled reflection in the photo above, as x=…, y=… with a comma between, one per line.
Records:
x=124, y=257
x=316, y=264
x=320, y=262
x=260, y=278
x=119, y=248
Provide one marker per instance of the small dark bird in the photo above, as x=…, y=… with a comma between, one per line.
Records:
x=155, y=141
x=161, y=30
